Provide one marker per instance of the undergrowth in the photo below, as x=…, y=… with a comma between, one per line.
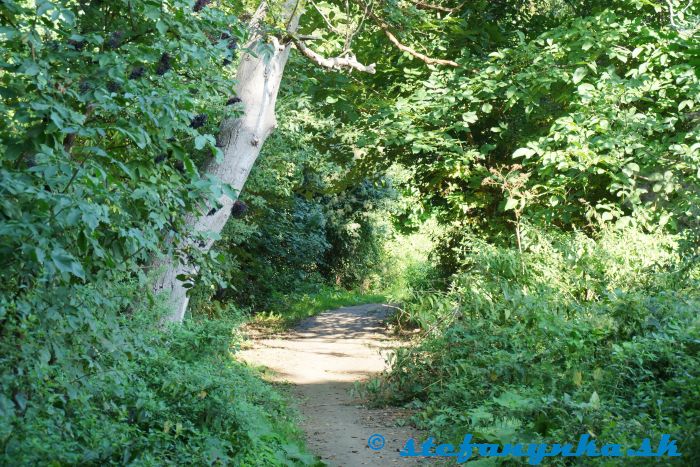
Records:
x=576, y=336
x=101, y=383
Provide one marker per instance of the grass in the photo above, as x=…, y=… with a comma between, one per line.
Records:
x=293, y=308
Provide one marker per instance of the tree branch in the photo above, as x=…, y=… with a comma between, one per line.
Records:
x=325, y=18
x=309, y=38
x=365, y=15
x=430, y=61
x=259, y=15
x=335, y=63
x=429, y=6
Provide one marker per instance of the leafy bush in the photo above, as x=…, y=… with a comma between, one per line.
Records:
x=94, y=381
x=576, y=336
x=310, y=221
x=102, y=105
x=595, y=119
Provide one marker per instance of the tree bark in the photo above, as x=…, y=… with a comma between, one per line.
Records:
x=240, y=140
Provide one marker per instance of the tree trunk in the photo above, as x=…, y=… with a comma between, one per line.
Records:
x=240, y=140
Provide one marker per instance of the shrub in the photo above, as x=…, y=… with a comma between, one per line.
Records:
x=91, y=379
x=586, y=337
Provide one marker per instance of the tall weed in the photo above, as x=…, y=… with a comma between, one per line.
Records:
x=578, y=335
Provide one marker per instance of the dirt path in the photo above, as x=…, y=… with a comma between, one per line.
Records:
x=323, y=357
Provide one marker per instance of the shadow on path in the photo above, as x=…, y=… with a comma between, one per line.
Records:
x=323, y=357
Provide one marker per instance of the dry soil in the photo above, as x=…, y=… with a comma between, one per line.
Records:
x=322, y=358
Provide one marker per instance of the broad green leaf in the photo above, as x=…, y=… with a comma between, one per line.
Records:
x=686, y=103
x=511, y=203
x=579, y=74
x=523, y=152
x=200, y=141
x=586, y=89
x=162, y=26
x=65, y=262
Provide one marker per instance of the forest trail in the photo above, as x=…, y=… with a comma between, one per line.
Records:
x=323, y=357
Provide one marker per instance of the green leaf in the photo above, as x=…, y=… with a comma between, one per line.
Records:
x=585, y=89
x=470, y=117
x=486, y=107
x=58, y=121
x=229, y=191
x=523, y=152
x=510, y=204
x=579, y=74
x=65, y=262
x=39, y=255
x=152, y=11
x=31, y=69
x=686, y=103
x=162, y=26
x=200, y=141
x=43, y=6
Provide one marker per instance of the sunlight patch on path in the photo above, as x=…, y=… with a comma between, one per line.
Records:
x=323, y=357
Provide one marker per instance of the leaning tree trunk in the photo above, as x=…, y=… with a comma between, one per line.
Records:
x=240, y=140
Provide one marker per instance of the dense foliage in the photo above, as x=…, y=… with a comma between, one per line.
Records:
x=108, y=109
x=522, y=176
x=305, y=221
x=100, y=387
x=577, y=335
x=562, y=164
x=105, y=107
x=109, y=113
